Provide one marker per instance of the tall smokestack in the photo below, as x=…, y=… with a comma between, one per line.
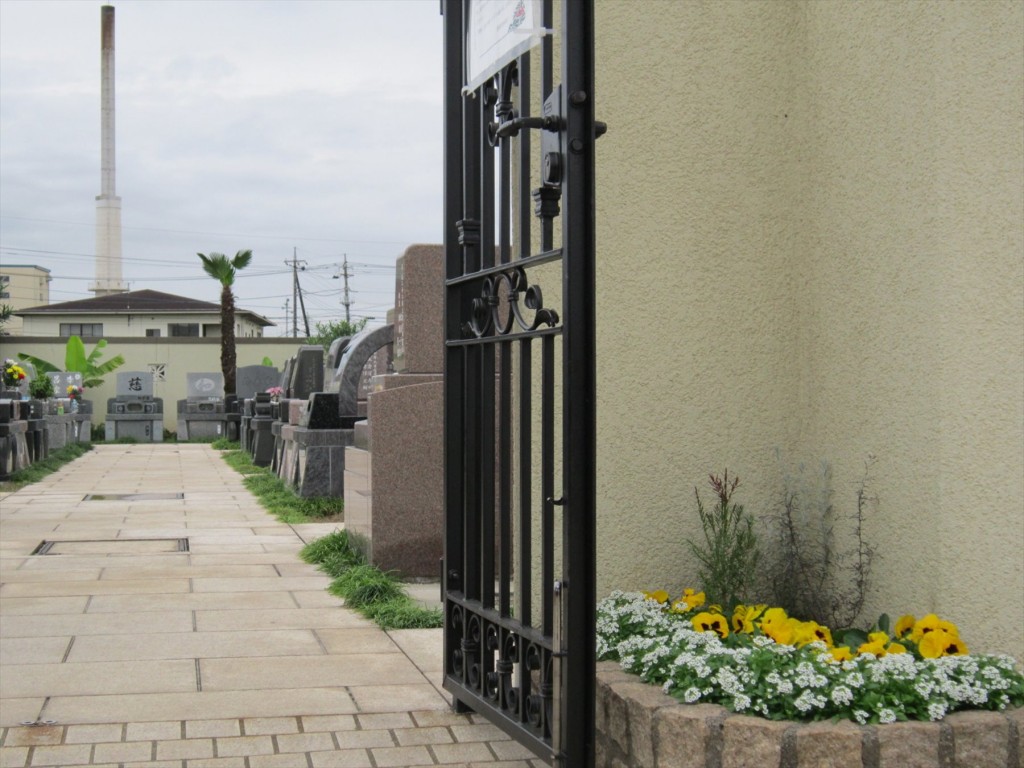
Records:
x=108, y=204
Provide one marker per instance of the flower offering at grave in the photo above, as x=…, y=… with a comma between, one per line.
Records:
x=75, y=392
x=13, y=373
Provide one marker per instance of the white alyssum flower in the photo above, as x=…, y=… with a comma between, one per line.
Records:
x=842, y=695
x=809, y=700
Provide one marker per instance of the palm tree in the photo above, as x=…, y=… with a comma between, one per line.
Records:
x=222, y=269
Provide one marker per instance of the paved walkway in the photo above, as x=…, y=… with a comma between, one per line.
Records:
x=121, y=650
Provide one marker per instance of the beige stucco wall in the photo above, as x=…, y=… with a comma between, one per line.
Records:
x=123, y=325
x=810, y=239
x=178, y=356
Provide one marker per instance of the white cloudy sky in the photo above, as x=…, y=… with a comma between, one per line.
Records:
x=266, y=124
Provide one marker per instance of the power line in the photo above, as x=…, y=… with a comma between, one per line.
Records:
x=289, y=238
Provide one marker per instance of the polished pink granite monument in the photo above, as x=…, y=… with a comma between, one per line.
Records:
x=394, y=471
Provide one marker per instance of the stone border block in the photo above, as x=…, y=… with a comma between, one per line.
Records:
x=685, y=734
x=908, y=745
x=753, y=741
x=829, y=745
x=979, y=737
x=639, y=726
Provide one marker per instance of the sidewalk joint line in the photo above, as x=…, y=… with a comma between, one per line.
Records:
x=67, y=651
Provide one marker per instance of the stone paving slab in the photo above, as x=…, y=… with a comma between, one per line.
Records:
x=229, y=654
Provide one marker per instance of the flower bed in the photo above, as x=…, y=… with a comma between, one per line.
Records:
x=639, y=726
x=783, y=669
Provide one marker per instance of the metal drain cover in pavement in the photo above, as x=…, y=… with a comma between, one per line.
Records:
x=134, y=496
x=112, y=547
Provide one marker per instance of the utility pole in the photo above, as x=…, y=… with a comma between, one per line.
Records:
x=296, y=265
x=286, y=317
x=346, y=302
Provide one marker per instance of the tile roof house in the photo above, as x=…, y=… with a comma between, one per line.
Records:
x=136, y=313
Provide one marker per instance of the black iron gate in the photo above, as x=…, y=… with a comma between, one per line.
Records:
x=518, y=570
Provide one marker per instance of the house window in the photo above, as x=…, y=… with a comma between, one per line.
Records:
x=81, y=329
x=183, y=329
x=211, y=330
x=153, y=332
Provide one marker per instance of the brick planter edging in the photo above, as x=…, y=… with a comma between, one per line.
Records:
x=638, y=726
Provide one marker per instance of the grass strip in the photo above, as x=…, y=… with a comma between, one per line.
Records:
x=273, y=493
x=40, y=469
x=377, y=595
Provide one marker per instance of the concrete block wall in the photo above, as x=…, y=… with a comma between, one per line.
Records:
x=638, y=726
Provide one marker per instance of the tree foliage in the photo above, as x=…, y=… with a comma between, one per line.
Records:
x=223, y=270
x=77, y=361
x=327, y=332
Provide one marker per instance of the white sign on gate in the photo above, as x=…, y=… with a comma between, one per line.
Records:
x=499, y=32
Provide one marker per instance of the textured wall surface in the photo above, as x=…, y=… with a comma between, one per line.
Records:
x=811, y=241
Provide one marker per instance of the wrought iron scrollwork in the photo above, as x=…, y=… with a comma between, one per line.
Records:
x=494, y=661
x=501, y=305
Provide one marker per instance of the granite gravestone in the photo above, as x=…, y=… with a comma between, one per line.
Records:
x=307, y=375
x=253, y=379
x=134, y=412
x=62, y=380
x=202, y=414
x=394, y=470
x=419, y=311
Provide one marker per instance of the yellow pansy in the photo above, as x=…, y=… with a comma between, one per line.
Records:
x=659, y=595
x=744, y=616
x=782, y=632
x=688, y=601
x=773, y=616
x=875, y=645
x=842, y=653
x=711, y=622
x=896, y=648
x=905, y=624
x=804, y=632
x=939, y=642
x=931, y=623
x=824, y=634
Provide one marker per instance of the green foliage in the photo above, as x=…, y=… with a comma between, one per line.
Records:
x=77, y=361
x=223, y=270
x=6, y=312
x=326, y=332
x=363, y=585
x=40, y=469
x=277, y=497
x=729, y=554
x=403, y=614
x=223, y=444
x=318, y=550
x=819, y=563
x=267, y=361
x=41, y=387
x=377, y=595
